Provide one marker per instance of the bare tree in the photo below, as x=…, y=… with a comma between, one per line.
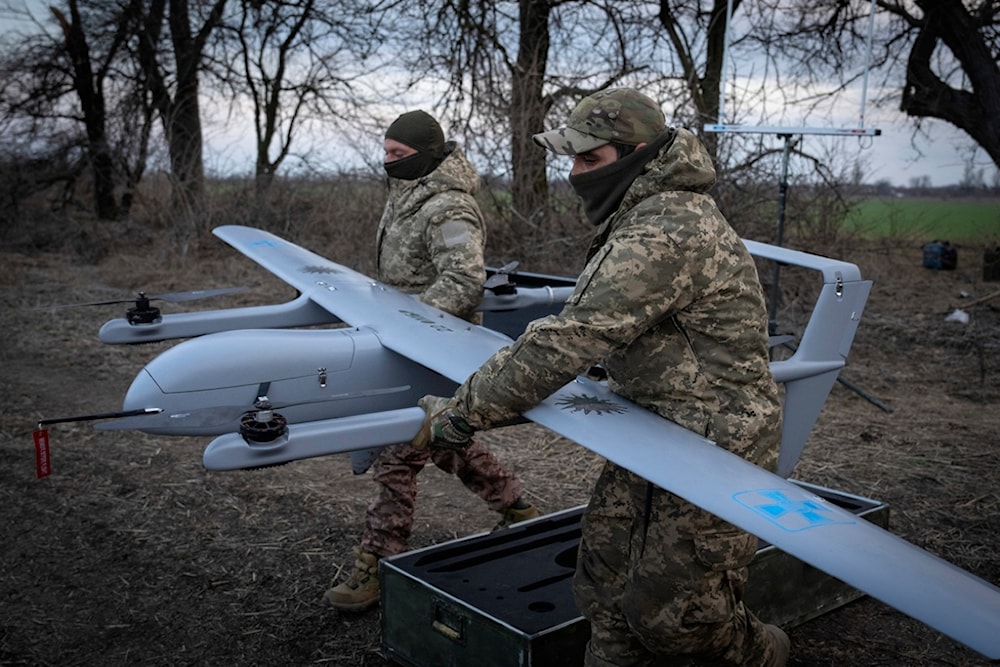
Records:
x=529, y=106
x=172, y=66
x=296, y=61
x=89, y=88
x=971, y=32
x=74, y=87
x=698, y=38
x=937, y=57
x=508, y=65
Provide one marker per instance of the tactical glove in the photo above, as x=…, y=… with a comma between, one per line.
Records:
x=444, y=426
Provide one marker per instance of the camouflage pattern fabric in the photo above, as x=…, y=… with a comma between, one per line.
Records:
x=621, y=115
x=389, y=518
x=669, y=583
x=671, y=305
x=430, y=243
x=431, y=237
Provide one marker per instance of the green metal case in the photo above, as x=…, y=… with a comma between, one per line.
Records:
x=505, y=599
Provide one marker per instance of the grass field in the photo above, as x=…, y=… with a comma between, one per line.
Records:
x=956, y=220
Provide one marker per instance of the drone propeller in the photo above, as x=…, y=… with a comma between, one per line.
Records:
x=143, y=313
x=500, y=282
x=141, y=298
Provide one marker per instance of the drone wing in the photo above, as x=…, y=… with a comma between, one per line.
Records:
x=796, y=521
x=812, y=529
x=445, y=343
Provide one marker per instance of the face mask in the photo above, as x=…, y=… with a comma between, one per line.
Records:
x=412, y=167
x=603, y=190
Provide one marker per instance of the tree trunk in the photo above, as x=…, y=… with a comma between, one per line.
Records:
x=704, y=87
x=184, y=122
x=94, y=117
x=180, y=112
x=185, y=148
x=530, y=188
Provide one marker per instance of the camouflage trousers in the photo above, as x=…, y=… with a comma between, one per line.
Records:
x=661, y=580
x=389, y=518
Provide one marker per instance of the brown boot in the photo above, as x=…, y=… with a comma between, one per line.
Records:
x=516, y=513
x=361, y=590
x=782, y=646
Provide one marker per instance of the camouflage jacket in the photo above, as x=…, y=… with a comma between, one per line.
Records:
x=670, y=304
x=431, y=237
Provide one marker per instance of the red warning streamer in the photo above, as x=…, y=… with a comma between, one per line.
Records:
x=43, y=462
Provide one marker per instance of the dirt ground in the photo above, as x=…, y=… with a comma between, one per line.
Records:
x=130, y=553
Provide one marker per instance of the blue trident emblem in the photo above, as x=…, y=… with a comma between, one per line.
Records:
x=789, y=513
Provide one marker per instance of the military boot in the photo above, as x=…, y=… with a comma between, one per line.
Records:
x=517, y=512
x=361, y=590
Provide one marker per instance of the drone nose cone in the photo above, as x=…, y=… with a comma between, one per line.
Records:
x=143, y=393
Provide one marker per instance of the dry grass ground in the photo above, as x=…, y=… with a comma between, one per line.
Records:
x=132, y=554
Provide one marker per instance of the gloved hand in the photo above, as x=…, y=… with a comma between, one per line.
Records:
x=444, y=426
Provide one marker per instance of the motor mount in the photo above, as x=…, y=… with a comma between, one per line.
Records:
x=143, y=312
x=262, y=426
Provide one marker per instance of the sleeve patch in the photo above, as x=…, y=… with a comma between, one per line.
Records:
x=454, y=233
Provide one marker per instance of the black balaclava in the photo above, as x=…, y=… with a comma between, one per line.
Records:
x=602, y=190
x=418, y=130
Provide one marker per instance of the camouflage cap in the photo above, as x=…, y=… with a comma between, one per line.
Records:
x=621, y=115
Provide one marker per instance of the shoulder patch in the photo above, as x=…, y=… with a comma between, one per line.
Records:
x=455, y=233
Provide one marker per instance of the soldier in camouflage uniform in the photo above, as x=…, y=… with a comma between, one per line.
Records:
x=430, y=243
x=670, y=304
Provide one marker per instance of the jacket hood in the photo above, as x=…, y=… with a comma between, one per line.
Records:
x=684, y=164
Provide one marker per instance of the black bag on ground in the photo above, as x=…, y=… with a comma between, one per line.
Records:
x=940, y=255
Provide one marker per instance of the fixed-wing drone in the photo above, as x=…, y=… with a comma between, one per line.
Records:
x=270, y=394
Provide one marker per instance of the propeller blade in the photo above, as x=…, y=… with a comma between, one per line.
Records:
x=178, y=297
x=110, y=302
x=170, y=297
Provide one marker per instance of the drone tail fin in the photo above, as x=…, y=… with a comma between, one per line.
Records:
x=809, y=374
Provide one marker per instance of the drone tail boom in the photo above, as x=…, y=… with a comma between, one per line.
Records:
x=317, y=438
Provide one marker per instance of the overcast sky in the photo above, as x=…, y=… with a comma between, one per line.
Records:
x=941, y=152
